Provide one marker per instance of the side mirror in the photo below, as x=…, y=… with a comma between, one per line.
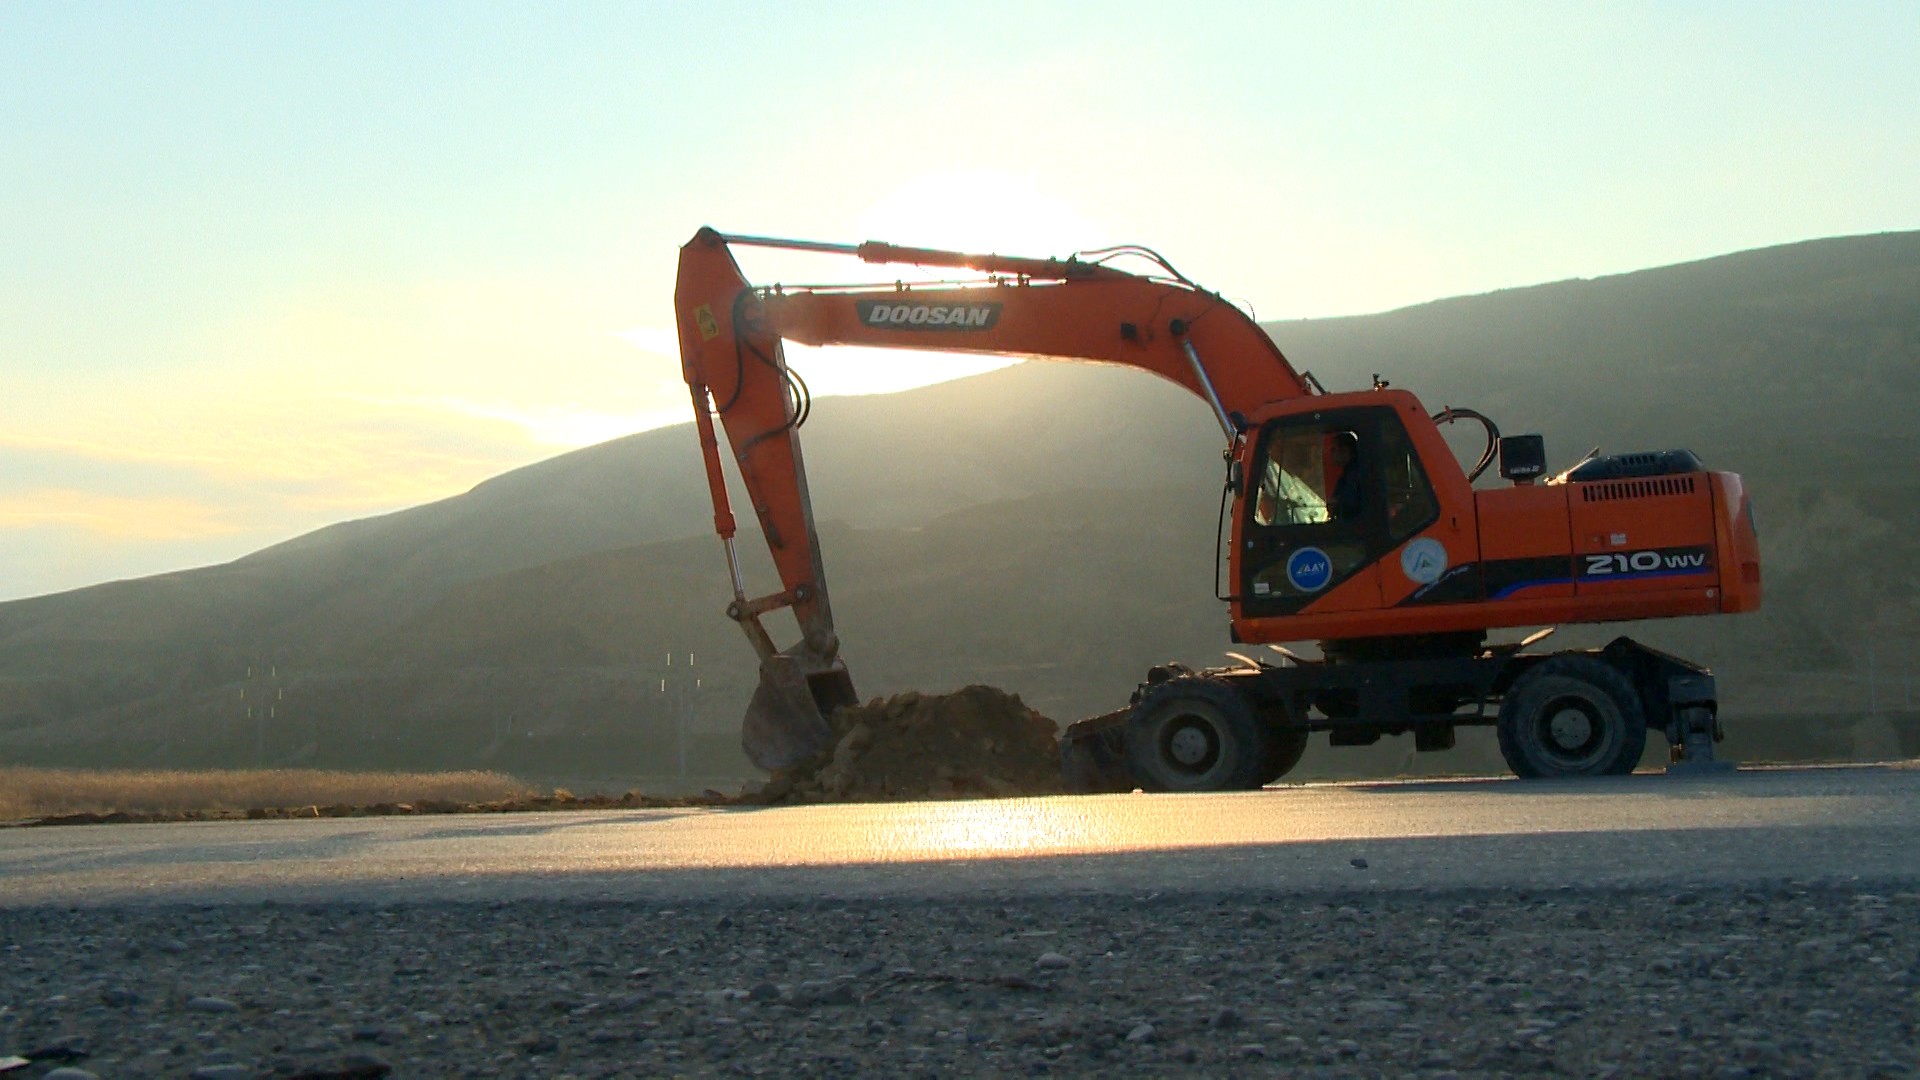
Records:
x=1522, y=457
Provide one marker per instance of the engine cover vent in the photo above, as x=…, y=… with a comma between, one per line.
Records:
x=1637, y=489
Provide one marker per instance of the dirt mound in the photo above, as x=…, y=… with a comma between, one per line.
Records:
x=975, y=742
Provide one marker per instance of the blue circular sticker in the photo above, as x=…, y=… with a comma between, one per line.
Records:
x=1309, y=569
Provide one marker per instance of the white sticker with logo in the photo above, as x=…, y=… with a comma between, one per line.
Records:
x=1424, y=560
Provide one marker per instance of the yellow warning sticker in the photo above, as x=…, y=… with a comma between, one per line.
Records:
x=709, y=326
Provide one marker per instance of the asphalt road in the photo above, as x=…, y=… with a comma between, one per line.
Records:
x=1812, y=824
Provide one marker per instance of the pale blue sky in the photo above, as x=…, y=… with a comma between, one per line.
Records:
x=268, y=266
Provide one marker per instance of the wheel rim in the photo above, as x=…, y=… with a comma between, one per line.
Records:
x=1569, y=730
x=1191, y=745
x=1572, y=731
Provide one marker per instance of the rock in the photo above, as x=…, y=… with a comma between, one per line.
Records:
x=209, y=1004
x=1141, y=1033
x=1227, y=1019
x=58, y=1053
x=825, y=992
x=1358, y=864
x=764, y=991
x=119, y=997
x=351, y=1067
x=229, y=1071
x=68, y=1072
x=1052, y=961
x=778, y=788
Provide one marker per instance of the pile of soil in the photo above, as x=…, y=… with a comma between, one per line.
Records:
x=558, y=800
x=975, y=742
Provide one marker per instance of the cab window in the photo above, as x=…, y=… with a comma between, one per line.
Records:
x=1310, y=476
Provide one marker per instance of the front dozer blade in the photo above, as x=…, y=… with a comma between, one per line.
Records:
x=786, y=719
x=1093, y=755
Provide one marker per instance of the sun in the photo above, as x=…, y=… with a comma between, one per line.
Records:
x=980, y=211
x=977, y=211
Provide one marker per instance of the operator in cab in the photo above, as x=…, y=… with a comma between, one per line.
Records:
x=1348, y=498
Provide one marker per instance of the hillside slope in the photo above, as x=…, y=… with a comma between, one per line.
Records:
x=1047, y=527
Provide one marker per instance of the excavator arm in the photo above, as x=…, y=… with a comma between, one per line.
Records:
x=730, y=343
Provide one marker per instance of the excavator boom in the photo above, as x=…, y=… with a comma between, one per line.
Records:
x=730, y=343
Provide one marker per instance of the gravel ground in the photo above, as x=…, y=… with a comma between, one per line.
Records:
x=1788, y=980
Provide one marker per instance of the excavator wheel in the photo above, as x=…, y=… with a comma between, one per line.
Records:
x=1193, y=733
x=1284, y=749
x=1572, y=715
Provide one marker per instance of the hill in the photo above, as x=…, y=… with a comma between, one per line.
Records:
x=1048, y=528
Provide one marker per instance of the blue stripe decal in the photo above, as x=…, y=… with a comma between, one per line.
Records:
x=1517, y=586
x=1630, y=576
x=1691, y=571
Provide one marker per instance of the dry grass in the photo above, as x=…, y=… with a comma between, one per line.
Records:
x=35, y=793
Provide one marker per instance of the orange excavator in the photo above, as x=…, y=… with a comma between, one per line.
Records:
x=1347, y=517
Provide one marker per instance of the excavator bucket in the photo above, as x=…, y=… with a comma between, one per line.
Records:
x=786, y=719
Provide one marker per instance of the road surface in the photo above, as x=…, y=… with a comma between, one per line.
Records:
x=1848, y=823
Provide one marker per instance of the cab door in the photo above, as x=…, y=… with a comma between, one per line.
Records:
x=1319, y=515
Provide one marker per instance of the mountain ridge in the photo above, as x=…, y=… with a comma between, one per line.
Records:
x=1044, y=469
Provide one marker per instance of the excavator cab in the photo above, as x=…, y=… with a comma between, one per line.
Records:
x=1339, y=489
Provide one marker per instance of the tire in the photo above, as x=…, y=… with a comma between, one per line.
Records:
x=1284, y=748
x=1196, y=734
x=1572, y=715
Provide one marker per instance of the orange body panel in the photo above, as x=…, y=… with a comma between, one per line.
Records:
x=1361, y=592
x=1643, y=535
x=1530, y=574
x=1524, y=555
x=1526, y=528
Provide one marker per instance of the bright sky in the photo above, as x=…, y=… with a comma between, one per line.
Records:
x=264, y=267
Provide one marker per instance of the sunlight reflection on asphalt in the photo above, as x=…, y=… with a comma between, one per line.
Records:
x=1640, y=827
